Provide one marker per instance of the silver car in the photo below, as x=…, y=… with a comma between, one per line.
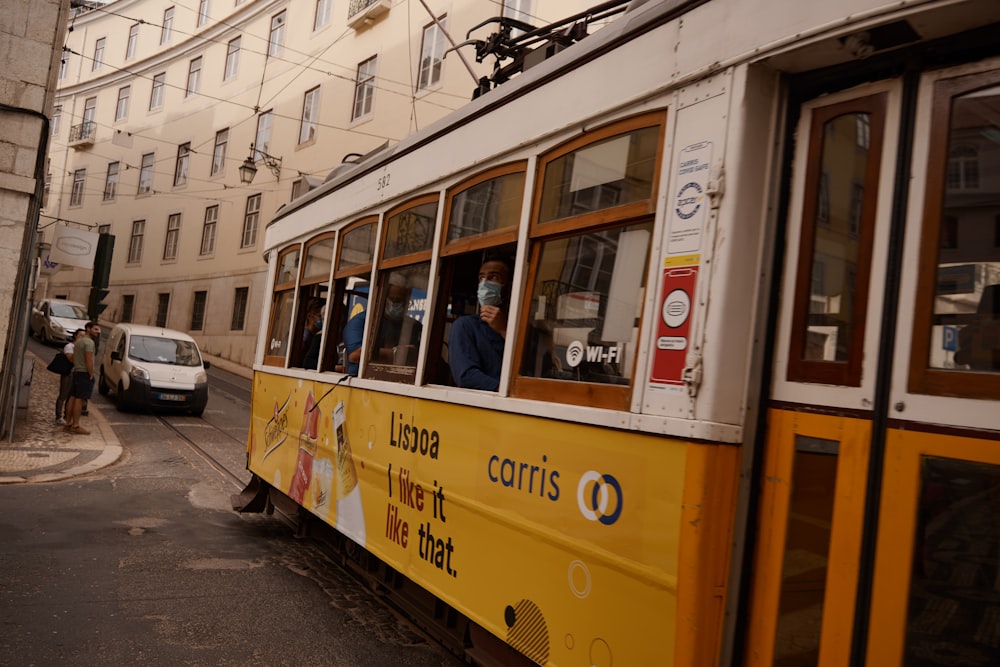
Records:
x=55, y=320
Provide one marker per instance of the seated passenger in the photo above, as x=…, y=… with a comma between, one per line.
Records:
x=312, y=336
x=353, y=335
x=398, y=334
x=476, y=342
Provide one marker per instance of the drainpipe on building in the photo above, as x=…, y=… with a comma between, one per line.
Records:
x=17, y=336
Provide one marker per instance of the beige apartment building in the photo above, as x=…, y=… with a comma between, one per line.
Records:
x=159, y=102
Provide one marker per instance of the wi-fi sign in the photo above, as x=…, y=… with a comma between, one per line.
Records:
x=574, y=354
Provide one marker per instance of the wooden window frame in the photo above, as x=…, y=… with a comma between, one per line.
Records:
x=413, y=257
x=272, y=359
x=587, y=394
x=922, y=379
x=485, y=239
x=356, y=269
x=844, y=373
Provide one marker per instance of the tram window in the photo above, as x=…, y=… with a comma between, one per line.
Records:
x=602, y=175
x=482, y=215
x=838, y=222
x=279, y=327
x=354, y=265
x=584, y=309
x=313, y=295
x=411, y=230
x=401, y=306
x=956, y=348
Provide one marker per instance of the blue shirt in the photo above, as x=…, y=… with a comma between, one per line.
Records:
x=475, y=354
x=353, y=335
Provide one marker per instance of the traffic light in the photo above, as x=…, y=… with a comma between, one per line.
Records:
x=94, y=305
x=102, y=274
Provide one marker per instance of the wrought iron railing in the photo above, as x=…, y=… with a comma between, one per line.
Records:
x=358, y=6
x=82, y=132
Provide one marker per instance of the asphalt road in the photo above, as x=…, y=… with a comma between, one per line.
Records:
x=144, y=562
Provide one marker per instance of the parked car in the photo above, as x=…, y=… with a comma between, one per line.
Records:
x=153, y=367
x=55, y=320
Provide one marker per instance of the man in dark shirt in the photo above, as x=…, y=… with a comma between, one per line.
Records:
x=476, y=342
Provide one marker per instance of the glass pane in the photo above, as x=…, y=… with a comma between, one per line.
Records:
x=402, y=308
x=358, y=246
x=281, y=320
x=608, y=173
x=965, y=333
x=318, y=258
x=411, y=230
x=486, y=207
x=953, y=614
x=585, y=306
x=288, y=266
x=836, y=249
x=806, y=555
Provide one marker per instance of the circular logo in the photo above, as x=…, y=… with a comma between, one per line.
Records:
x=574, y=354
x=599, y=497
x=688, y=200
x=676, y=307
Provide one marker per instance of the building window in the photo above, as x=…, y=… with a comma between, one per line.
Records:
x=64, y=66
x=364, y=88
x=103, y=229
x=167, y=31
x=181, y=166
x=156, y=94
x=203, y=9
x=173, y=233
x=111, y=181
x=128, y=307
x=98, y=54
x=208, y=230
x=519, y=10
x=431, y=56
x=89, y=111
x=963, y=167
x=239, y=319
x=79, y=179
x=323, y=10
x=133, y=41
x=162, y=307
x=276, y=40
x=56, y=117
x=263, y=143
x=232, y=59
x=135, y=243
x=219, y=152
x=146, y=175
x=198, y=311
x=194, y=77
x=121, y=110
x=250, y=221
x=310, y=112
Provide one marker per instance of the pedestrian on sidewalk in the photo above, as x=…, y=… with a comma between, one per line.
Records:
x=83, y=376
x=66, y=380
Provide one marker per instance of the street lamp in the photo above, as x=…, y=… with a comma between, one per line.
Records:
x=249, y=167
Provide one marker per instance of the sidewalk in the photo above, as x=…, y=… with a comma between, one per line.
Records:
x=41, y=450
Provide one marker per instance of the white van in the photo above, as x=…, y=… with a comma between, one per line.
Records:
x=153, y=367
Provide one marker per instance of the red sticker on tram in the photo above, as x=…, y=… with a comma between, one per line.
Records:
x=674, y=325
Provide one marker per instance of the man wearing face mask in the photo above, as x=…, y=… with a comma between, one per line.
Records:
x=399, y=334
x=476, y=342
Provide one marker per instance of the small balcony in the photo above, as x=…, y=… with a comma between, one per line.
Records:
x=82, y=134
x=361, y=13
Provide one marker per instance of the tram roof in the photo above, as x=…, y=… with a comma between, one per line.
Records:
x=639, y=17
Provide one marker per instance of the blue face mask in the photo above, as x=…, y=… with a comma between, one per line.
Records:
x=395, y=309
x=490, y=293
x=319, y=324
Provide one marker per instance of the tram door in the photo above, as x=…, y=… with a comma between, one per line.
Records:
x=852, y=321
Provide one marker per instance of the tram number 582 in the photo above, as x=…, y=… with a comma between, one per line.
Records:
x=383, y=183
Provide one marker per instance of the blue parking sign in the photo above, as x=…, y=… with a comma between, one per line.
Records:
x=949, y=338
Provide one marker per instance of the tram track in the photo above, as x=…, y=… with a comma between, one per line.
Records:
x=212, y=461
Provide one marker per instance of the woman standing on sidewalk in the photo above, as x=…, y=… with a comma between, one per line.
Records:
x=66, y=382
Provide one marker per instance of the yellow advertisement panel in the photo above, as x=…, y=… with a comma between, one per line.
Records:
x=560, y=538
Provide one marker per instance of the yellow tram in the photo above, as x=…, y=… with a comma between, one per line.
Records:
x=746, y=408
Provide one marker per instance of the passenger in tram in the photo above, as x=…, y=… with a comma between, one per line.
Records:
x=398, y=333
x=312, y=336
x=979, y=341
x=476, y=342
x=353, y=335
